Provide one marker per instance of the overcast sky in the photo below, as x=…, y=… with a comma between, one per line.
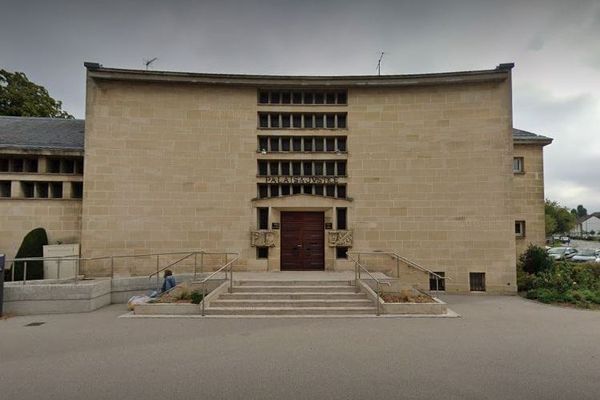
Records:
x=555, y=45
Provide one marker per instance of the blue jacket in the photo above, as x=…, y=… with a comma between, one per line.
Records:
x=168, y=283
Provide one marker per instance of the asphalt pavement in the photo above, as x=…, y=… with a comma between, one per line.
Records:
x=502, y=347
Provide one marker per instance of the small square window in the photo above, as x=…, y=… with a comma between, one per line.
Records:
x=520, y=229
x=477, y=281
x=262, y=253
x=436, y=283
x=518, y=165
x=341, y=253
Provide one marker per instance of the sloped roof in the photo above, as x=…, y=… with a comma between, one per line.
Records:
x=521, y=136
x=583, y=219
x=41, y=133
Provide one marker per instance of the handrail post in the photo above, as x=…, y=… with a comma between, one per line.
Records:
x=157, y=273
x=76, y=266
x=231, y=278
x=112, y=267
x=397, y=267
x=195, y=264
x=202, y=262
x=203, y=296
x=58, y=269
x=25, y=273
x=12, y=271
x=378, y=296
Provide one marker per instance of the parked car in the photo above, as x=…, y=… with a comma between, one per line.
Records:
x=587, y=255
x=562, y=253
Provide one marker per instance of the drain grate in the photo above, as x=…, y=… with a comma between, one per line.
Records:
x=35, y=323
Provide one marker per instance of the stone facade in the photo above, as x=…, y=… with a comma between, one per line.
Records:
x=423, y=167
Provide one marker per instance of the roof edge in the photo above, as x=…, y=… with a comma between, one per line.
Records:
x=97, y=71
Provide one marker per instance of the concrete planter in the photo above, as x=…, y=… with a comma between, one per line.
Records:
x=438, y=307
x=182, y=308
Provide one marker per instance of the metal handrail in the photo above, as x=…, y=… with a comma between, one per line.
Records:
x=403, y=259
x=357, y=278
x=111, y=258
x=227, y=264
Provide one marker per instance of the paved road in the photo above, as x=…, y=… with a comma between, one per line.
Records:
x=501, y=348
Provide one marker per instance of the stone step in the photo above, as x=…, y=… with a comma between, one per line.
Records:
x=309, y=311
x=293, y=296
x=290, y=303
x=279, y=288
x=291, y=283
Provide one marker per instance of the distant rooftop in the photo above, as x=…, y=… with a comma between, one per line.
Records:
x=41, y=133
x=521, y=136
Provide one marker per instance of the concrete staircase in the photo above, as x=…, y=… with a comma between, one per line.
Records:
x=292, y=297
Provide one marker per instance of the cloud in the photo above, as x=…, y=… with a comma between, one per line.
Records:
x=536, y=44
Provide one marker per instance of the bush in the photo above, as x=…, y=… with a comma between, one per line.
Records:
x=32, y=246
x=535, y=259
x=196, y=297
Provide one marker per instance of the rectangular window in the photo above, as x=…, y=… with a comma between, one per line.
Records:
x=308, y=168
x=308, y=121
x=5, y=188
x=342, y=98
x=518, y=165
x=330, y=121
x=319, y=144
x=437, y=284
x=307, y=189
x=56, y=190
x=319, y=98
x=341, y=191
x=297, y=98
x=296, y=168
x=308, y=144
x=263, y=144
x=263, y=191
x=263, y=97
x=330, y=98
x=341, y=214
x=285, y=168
x=341, y=168
x=285, y=190
x=341, y=121
x=330, y=144
x=27, y=189
x=286, y=98
x=274, y=143
x=263, y=217
x=262, y=253
x=274, y=190
x=319, y=121
x=275, y=97
x=76, y=190
x=285, y=144
x=520, y=229
x=341, y=144
x=319, y=190
x=318, y=168
x=309, y=98
x=296, y=189
x=263, y=120
x=17, y=165
x=330, y=168
x=3, y=164
x=274, y=120
x=273, y=168
x=341, y=253
x=30, y=165
x=330, y=190
x=262, y=168
x=285, y=120
x=297, y=144
x=297, y=121
x=477, y=281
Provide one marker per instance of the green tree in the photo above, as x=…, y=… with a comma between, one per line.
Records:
x=581, y=211
x=558, y=218
x=20, y=97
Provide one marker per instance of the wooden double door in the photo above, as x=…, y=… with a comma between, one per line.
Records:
x=302, y=241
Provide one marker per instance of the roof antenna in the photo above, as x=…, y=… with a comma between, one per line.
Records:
x=148, y=62
x=379, y=64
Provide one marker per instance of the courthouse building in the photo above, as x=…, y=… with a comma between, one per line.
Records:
x=291, y=171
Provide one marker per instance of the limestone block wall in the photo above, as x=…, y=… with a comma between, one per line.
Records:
x=61, y=218
x=528, y=194
x=168, y=167
x=430, y=172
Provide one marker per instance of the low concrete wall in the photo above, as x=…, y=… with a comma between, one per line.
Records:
x=54, y=296
x=438, y=307
x=42, y=297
